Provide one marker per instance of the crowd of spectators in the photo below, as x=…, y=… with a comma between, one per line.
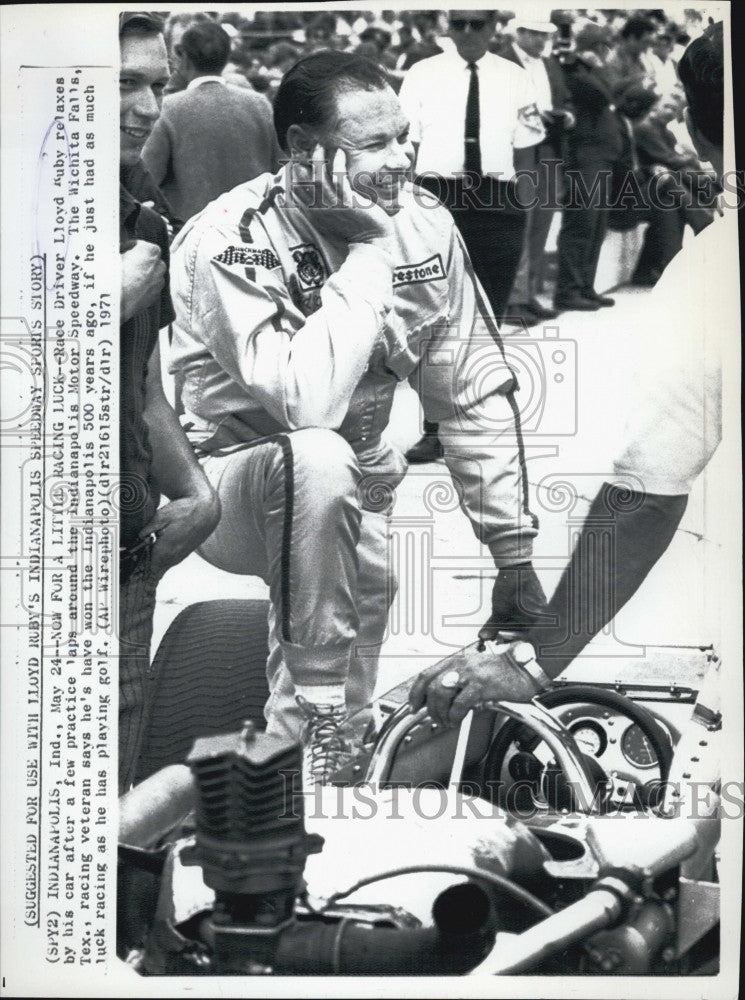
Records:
x=625, y=59
x=264, y=45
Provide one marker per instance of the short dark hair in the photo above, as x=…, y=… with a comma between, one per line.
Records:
x=180, y=20
x=637, y=27
x=139, y=23
x=657, y=15
x=323, y=24
x=591, y=36
x=309, y=89
x=489, y=14
x=207, y=46
x=701, y=71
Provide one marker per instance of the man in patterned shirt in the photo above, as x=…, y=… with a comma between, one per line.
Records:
x=155, y=456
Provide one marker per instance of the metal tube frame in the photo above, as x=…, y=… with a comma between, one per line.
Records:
x=557, y=736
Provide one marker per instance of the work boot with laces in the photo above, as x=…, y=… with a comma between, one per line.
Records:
x=326, y=741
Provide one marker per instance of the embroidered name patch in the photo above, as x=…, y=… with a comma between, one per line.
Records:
x=430, y=269
x=311, y=269
x=247, y=256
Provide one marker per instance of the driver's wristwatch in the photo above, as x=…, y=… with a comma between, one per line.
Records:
x=522, y=655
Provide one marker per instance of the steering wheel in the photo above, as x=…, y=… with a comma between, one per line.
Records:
x=525, y=767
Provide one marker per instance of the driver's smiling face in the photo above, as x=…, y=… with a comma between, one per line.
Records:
x=372, y=129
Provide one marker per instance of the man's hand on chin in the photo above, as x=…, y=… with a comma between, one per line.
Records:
x=328, y=200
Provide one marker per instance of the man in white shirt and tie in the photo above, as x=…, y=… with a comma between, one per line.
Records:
x=474, y=124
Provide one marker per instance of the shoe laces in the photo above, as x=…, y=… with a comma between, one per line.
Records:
x=326, y=746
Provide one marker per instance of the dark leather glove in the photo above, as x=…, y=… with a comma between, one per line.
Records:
x=517, y=602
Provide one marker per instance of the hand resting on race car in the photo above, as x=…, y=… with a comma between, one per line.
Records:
x=507, y=673
x=451, y=689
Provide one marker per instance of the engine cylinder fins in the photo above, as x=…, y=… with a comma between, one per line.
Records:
x=250, y=836
x=246, y=786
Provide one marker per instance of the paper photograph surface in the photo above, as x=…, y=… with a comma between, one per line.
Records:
x=214, y=516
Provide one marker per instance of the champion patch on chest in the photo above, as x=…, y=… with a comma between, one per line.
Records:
x=430, y=269
x=311, y=267
x=247, y=257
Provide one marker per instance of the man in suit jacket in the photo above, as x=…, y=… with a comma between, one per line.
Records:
x=211, y=136
x=678, y=191
x=557, y=112
x=593, y=146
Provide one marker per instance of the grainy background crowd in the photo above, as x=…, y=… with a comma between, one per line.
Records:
x=615, y=107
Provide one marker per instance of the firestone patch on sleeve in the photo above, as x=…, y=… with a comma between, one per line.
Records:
x=430, y=269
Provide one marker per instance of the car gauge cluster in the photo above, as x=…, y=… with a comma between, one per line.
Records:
x=612, y=739
x=637, y=749
x=590, y=736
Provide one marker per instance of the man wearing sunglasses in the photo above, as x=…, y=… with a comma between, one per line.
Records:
x=474, y=124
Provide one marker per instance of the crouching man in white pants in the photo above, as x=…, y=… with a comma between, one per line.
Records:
x=302, y=299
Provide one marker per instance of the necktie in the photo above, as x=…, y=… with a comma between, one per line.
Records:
x=472, y=147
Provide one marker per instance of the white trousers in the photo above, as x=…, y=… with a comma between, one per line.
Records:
x=291, y=514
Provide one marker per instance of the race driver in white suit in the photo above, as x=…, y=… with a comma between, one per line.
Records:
x=302, y=299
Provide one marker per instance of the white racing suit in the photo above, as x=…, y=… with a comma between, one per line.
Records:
x=289, y=346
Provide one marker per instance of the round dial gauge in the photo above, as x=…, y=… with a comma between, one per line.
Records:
x=637, y=749
x=590, y=737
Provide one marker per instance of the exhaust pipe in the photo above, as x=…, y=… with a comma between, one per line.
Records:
x=464, y=932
